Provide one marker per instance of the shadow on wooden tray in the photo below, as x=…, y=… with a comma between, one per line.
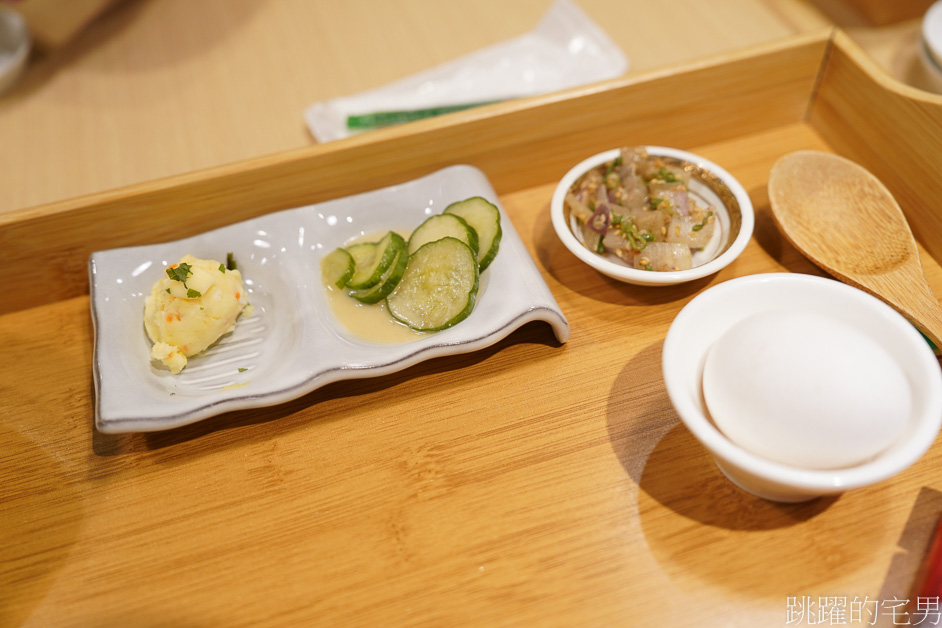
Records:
x=320, y=405
x=664, y=459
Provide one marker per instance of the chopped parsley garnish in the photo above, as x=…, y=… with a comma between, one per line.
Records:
x=230, y=262
x=222, y=268
x=180, y=272
x=242, y=370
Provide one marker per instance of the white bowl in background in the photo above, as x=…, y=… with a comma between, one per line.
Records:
x=932, y=33
x=15, y=44
x=711, y=183
x=715, y=310
x=930, y=46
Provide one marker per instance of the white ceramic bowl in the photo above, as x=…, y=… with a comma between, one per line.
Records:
x=932, y=32
x=710, y=183
x=930, y=49
x=711, y=313
x=14, y=47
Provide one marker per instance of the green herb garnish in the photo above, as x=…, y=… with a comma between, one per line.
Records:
x=613, y=165
x=180, y=272
x=635, y=238
x=242, y=370
x=230, y=262
x=702, y=224
x=666, y=175
x=222, y=268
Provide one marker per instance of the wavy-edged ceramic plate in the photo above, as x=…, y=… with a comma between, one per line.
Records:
x=292, y=343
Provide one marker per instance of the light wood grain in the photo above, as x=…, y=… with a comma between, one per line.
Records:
x=525, y=484
x=890, y=128
x=529, y=483
x=156, y=88
x=844, y=220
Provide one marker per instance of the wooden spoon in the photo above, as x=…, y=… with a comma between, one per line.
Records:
x=844, y=220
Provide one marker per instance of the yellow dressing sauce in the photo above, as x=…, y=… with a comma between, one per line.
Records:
x=369, y=322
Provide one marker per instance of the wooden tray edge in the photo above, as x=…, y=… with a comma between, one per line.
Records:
x=44, y=250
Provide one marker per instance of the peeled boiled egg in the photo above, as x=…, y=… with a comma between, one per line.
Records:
x=804, y=389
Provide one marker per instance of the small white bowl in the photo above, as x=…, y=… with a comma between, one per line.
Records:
x=714, y=311
x=709, y=183
x=15, y=45
x=930, y=48
x=932, y=33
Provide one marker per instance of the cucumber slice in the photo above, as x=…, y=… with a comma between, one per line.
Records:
x=373, y=260
x=337, y=267
x=443, y=226
x=484, y=217
x=389, y=281
x=439, y=286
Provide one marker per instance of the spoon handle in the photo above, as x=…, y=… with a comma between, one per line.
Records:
x=918, y=304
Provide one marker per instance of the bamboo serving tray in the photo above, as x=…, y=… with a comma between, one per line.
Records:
x=529, y=483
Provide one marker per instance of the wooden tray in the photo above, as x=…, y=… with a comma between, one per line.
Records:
x=528, y=483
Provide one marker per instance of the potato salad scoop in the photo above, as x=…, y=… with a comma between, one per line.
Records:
x=190, y=308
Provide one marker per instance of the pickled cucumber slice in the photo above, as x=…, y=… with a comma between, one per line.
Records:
x=337, y=267
x=442, y=226
x=373, y=260
x=388, y=282
x=484, y=217
x=438, y=288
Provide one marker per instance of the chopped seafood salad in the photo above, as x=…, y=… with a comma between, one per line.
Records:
x=639, y=208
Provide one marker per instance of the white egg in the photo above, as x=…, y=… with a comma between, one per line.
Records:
x=804, y=389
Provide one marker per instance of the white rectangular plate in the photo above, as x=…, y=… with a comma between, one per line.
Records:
x=292, y=343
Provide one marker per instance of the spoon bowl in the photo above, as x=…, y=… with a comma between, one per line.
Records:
x=847, y=222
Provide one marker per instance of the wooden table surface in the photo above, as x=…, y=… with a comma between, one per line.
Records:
x=439, y=496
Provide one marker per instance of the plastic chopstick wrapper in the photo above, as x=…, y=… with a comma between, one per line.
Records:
x=565, y=49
